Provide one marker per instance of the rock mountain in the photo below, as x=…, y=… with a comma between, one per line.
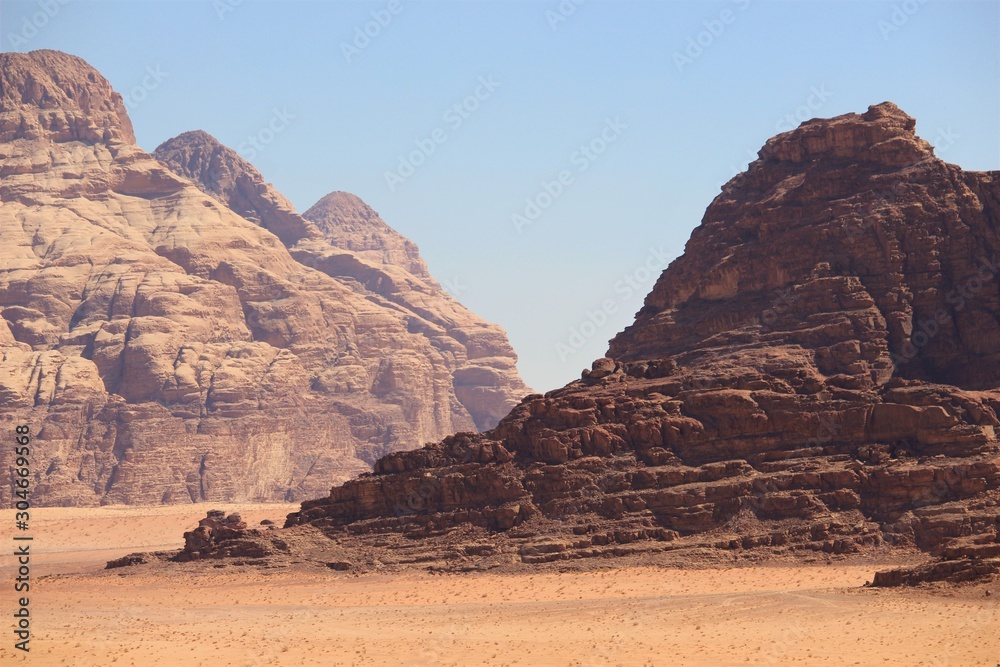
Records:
x=817, y=374
x=174, y=331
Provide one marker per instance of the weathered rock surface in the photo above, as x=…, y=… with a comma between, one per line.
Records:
x=165, y=348
x=221, y=536
x=774, y=395
x=343, y=237
x=962, y=559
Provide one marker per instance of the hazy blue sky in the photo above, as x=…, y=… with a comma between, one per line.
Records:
x=675, y=96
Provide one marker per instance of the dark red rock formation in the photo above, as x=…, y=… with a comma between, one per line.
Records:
x=221, y=536
x=774, y=393
x=963, y=559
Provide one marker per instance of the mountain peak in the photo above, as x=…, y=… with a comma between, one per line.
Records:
x=207, y=340
x=884, y=134
x=222, y=173
x=802, y=379
x=50, y=94
x=341, y=210
x=352, y=224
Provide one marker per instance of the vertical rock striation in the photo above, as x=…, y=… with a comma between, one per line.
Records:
x=164, y=338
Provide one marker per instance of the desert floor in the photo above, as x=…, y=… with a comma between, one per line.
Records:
x=243, y=615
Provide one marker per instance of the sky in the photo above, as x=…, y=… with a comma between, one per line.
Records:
x=549, y=157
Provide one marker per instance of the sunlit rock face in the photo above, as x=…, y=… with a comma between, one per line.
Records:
x=173, y=331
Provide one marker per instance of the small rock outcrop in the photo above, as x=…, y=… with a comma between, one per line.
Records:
x=222, y=536
x=963, y=559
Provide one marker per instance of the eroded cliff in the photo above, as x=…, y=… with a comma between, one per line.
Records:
x=165, y=344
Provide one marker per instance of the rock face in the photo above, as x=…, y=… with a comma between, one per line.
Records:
x=344, y=238
x=349, y=223
x=817, y=373
x=170, y=341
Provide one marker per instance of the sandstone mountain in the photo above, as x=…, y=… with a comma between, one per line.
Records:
x=818, y=373
x=344, y=238
x=173, y=331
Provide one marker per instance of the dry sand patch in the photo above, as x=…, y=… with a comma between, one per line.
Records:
x=192, y=615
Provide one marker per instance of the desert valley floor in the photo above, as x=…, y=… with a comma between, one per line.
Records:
x=193, y=614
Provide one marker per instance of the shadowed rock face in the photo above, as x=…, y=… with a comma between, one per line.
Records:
x=170, y=341
x=773, y=393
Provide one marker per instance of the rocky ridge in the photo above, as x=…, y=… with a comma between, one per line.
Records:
x=815, y=377
x=167, y=340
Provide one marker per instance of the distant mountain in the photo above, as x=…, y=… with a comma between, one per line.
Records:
x=172, y=330
x=344, y=238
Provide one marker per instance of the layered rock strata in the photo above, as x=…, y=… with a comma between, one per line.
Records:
x=817, y=374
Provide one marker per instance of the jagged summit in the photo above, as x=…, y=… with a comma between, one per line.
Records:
x=222, y=173
x=344, y=238
x=873, y=206
x=341, y=218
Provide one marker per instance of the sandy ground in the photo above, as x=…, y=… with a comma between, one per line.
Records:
x=183, y=615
